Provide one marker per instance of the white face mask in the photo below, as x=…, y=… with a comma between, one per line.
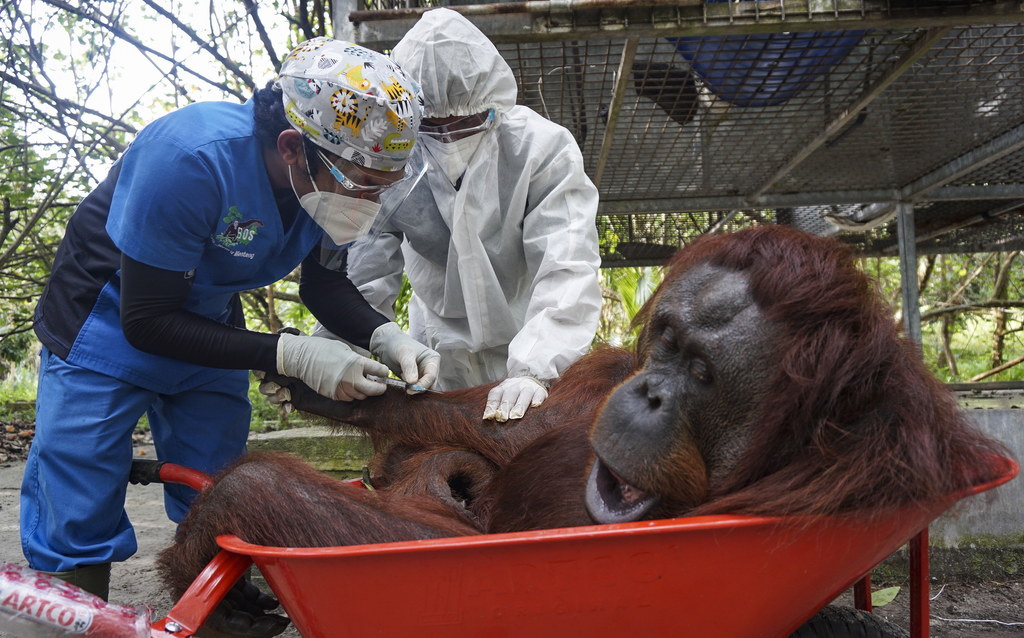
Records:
x=452, y=157
x=344, y=219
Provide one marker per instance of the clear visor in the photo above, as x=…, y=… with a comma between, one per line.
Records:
x=463, y=127
x=333, y=256
x=354, y=178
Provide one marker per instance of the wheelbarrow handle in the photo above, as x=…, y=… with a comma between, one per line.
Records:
x=146, y=471
x=203, y=595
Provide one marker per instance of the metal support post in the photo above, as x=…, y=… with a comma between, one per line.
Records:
x=908, y=270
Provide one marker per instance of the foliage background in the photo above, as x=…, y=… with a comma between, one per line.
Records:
x=79, y=80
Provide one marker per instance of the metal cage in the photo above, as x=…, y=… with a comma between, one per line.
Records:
x=825, y=114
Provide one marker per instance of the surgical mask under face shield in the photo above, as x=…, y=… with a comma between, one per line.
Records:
x=459, y=129
x=332, y=255
x=452, y=158
x=342, y=217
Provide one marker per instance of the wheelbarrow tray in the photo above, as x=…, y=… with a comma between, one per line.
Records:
x=702, y=576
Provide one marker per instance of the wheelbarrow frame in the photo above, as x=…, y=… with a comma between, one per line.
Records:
x=767, y=557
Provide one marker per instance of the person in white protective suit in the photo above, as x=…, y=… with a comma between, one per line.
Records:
x=499, y=240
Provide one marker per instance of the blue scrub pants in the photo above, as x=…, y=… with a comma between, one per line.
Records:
x=76, y=477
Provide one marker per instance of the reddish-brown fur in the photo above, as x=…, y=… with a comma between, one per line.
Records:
x=423, y=441
x=269, y=499
x=854, y=423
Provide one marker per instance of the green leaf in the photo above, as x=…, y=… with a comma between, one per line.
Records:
x=883, y=597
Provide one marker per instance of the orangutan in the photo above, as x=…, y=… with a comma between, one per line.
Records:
x=768, y=378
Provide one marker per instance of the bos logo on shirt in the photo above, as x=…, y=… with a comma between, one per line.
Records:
x=238, y=233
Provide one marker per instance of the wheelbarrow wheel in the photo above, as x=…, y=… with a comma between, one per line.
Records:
x=845, y=622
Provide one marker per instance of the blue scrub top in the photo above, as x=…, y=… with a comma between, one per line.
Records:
x=192, y=195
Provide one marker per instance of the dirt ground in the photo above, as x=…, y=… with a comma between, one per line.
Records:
x=133, y=582
x=989, y=609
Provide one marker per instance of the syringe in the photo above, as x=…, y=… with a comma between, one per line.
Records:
x=397, y=383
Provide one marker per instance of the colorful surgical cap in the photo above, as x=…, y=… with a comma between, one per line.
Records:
x=353, y=102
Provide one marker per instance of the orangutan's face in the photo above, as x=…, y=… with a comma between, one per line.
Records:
x=682, y=421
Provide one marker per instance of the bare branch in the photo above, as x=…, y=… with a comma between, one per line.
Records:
x=931, y=315
x=967, y=282
x=124, y=35
x=261, y=294
x=16, y=331
x=997, y=370
x=31, y=87
x=7, y=224
x=204, y=43
x=252, y=9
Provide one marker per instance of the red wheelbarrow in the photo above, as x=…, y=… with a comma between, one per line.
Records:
x=723, y=576
x=707, y=576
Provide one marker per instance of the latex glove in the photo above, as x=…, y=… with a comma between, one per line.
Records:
x=320, y=331
x=329, y=367
x=415, y=363
x=512, y=397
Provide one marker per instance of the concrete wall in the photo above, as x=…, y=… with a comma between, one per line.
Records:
x=999, y=512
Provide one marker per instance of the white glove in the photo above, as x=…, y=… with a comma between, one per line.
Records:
x=512, y=397
x=329, y=367
x=415, y=363
x=320, y=331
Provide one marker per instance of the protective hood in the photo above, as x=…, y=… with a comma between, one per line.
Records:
x=458, y=69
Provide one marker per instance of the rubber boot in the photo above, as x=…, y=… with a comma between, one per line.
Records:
x=94, y=579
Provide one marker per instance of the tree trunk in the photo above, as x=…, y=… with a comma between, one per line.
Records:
x=273, y=321
x=926, y=276
x=1002, y=281
x=947, y=350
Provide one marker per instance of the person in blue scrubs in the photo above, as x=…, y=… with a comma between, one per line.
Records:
x=141, y=314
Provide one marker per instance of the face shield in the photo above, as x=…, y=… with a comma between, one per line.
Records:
x=459, y=128
x=346, y=203
x=360, y=182
x=391, y=198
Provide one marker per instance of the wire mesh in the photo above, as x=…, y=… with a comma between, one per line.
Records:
x=841, y=114
x=951, y=227
x=966, y=91
x=650, y=239
x=1005, y=171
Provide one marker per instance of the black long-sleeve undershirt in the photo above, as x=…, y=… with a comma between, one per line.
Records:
x=154, y=321
x=336, y=302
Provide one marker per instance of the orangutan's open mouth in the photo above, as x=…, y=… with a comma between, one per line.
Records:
x=612, y=500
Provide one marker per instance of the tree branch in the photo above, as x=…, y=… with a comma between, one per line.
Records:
x=31, y=87
x=261, y=294
x=931, y=315
x=997, y=369
x=967, y=282
x=7, y=224
x=204, y=43
x=252, y=9
x=124, y=35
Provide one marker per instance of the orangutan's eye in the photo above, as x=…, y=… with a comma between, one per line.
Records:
x=700, y=370
x=667, y=340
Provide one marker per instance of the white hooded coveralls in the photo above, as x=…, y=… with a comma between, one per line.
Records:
x=504, y=269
